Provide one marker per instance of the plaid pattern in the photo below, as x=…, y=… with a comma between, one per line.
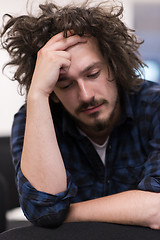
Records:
x=132, y=158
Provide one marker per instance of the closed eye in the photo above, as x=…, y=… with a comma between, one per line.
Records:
x=64, y=86
x=94, y=75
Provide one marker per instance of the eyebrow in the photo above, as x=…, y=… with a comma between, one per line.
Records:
x=93, y=65
x=63, y=77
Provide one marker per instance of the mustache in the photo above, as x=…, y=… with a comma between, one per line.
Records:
x=92, y=103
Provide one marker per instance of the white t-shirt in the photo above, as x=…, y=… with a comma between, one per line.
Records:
x=101, y=149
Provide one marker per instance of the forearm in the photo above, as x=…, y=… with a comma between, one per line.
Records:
x=131, y=207
x=41, y=161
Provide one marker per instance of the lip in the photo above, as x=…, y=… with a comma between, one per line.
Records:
x=93, y=109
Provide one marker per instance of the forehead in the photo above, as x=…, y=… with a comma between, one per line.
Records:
x=85, y=52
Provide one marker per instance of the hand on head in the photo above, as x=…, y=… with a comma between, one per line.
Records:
x=53, y=59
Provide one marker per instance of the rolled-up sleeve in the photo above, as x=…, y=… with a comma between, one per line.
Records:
x=40, y=208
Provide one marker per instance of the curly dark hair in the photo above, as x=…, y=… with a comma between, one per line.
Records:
x=23, y=36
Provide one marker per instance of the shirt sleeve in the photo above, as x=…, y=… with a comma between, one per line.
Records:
x=151, y=173
x=40, y=208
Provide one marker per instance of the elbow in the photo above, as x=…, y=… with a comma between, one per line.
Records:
x=46, y=214
x=51, y=220
x=48, y=218
x=43, y=209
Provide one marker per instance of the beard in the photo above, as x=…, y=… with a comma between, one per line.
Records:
x=98, y=124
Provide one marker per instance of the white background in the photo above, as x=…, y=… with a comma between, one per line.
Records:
x=10, y=100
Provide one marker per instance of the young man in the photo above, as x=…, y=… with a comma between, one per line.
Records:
x=86, y=145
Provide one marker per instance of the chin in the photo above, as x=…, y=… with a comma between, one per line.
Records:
x=97, y=125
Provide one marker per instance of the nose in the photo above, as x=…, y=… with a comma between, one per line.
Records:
x=85, y=91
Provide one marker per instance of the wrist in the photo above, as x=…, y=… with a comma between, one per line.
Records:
x=36, y=95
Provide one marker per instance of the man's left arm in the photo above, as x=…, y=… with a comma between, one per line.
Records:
x=134, y=207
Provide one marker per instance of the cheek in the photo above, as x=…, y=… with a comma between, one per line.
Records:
x=68, y=101
x=112, y=87
x=110, y=92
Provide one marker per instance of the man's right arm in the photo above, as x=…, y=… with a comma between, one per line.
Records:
x=41, y=161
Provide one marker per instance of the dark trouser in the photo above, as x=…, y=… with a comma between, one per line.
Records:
x=3, y=203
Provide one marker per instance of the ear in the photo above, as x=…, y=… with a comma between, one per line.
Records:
x=54, y=98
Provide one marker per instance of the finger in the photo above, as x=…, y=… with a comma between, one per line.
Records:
x=54, y=39
x=63, y=54
x=65, y=43
x=58, y=41
x=48, y=53
x=59, y=37
x=61, y=59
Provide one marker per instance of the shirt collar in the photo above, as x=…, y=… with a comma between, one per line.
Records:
x=127, y=109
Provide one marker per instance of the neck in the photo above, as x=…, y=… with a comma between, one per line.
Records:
x=99, y=137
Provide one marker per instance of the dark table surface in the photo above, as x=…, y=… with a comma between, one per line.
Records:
x=85, y=231
x=82, y=231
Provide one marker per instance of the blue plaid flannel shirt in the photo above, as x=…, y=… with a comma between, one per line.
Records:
x=132, y=158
